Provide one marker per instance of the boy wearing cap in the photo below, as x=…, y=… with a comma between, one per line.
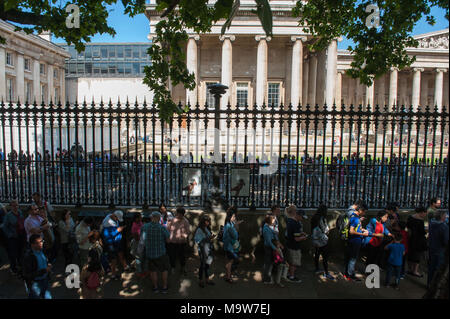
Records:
x=154, y=236
x=295, y=236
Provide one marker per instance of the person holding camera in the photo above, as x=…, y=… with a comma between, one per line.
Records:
x=203, y=238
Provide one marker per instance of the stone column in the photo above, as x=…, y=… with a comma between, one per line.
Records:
x=227, y=68
x=331, y=73
x=62, y=85
x=20, y=78
x=339, y=89
x=261, y=69
x=36, y=82
x=192, y=66
x=393, y=88
x=50, y=86
x=416, y=88
x=305, y=82
x=370, y=94
x=438, y=88
x=2, y=75
x=297, y=71
x=381, y=91
x=312, y=79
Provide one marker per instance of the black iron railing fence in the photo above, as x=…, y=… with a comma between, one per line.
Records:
x=123, y=155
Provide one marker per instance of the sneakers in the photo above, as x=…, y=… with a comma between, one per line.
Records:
x=155, y=290
x=270, y=282
x=164, y=290
x=293, y=279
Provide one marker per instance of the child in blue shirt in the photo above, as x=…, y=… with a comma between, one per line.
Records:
x=396, y=251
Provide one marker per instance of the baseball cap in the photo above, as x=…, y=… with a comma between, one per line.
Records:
x=301, y=212
x=119, y=215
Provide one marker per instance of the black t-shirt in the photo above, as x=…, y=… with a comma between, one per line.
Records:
x=293, y=227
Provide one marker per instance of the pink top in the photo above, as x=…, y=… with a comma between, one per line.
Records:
x=179, y=230
x=136, y=228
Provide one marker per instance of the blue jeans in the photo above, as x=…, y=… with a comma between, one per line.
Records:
x=435, y=261
x=39, y=290
x=396, y=271
x=353, y=249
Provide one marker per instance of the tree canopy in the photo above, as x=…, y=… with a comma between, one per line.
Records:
x=376, y=49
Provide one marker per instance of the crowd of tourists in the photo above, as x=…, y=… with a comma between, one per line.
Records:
x=156, y=243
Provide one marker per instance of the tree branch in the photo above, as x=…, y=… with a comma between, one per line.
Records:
x=21, y=17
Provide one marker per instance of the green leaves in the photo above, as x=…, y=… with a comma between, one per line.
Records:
x=375, y=49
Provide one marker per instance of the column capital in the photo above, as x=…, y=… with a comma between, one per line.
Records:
x=418, y=69
x=393, y=68
x=439, y=70
x=227, y=36
x=196, y=37
x=295, y=38
x=262, y=37
x=341, y=71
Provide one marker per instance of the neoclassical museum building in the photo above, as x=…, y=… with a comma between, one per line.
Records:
x=280, y=69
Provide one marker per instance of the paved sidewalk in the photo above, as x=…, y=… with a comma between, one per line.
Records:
x=247, y=284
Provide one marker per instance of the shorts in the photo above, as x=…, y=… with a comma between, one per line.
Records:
x=231, y=255
x=112, y=251
x=294, y=257
x=160, y=264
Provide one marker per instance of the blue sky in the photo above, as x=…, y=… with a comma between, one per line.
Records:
x=136, y=29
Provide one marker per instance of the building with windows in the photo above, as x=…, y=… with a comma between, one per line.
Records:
x=31, y=67
x=259, y=69
x=107, y=70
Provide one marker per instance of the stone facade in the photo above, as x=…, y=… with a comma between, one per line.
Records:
x=281, y=69
x=31, y=68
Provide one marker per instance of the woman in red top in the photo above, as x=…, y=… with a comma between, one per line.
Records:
x=376, y=227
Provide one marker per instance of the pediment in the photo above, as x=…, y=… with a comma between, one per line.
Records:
x=434, y=40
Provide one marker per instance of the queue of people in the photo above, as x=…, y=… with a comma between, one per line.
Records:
x=156, y=244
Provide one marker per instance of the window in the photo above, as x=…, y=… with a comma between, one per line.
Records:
x=273, y=94
x=144, y=53
x=136, y=69
x=10, y=89
x=57, y=97
x=88, y=68
x=112, y=69
x=88, y=52
x=242, y=94
x=72, y=68
x=104, y=52
x=209, y=97
x=55, y=73
x=128, y=68
x=27, y=65
x=127, y=52
x=28, y=92
x=9, y=58
x=43, y=92
x=95, y=51
x=80, y=68
x=136, y=53
x=42, y=68
x=112, y=52
x=120, y=52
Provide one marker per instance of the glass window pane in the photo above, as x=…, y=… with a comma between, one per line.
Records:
x=128, y=52
x=73, y=52
x=242, y=94
x=119, y=51
x=95, y=51
x=88, y=68
x=144, y=55
x=72, y=68
x=104, y=52
x=104, y=68
x=112, y=51
x=120, y=68
x=136, y=68
x=80, y=68
x=273, y=94
x=112, y=69
x=88, y=52
x=136, y=53
x=96, y=68
x=127, y=68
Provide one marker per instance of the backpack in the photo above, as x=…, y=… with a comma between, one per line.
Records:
x=342, y=225
x=93, y=281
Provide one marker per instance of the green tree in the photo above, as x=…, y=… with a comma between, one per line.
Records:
x=376, y=49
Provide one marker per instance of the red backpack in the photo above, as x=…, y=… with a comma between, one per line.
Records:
x=93, y=281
